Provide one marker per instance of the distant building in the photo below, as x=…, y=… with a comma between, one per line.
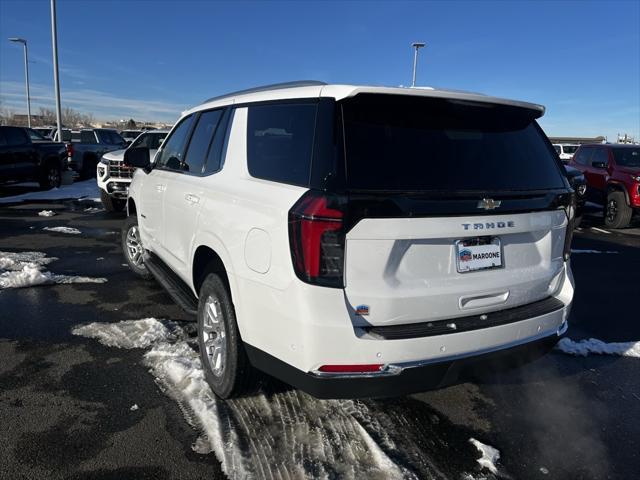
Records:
x=578, y=140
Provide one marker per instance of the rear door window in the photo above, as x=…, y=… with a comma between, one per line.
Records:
x=88, y=137
x=600, y=155
x=16, y=136
x=280, y=141
x=394, y=142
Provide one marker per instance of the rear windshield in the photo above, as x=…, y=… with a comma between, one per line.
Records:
x=570, y=149
x=422, y=144
x=627, y=156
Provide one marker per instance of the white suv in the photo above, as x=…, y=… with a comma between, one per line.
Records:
x=356, y=241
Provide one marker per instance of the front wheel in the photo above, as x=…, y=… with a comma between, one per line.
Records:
x=111, y=204
x=617, y=214
x=225, y=363
x=132, y=247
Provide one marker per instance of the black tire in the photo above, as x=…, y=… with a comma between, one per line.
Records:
x=129, y=231
x=89, y=165
x=51, y=175
x=617, y=214
x=236, y=375
x=111, y=204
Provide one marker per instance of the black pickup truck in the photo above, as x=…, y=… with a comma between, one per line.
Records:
x=24, y=155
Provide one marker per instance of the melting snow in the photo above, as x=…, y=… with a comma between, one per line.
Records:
x=129, y=333
x=593, y=345
x=281, y=435
x=69, y=230
x=134, y=407
x=25, y=269
x=87, y=189
x=47, y=213
x=490, y=455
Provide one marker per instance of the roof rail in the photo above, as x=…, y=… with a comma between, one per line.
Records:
x=266, y=88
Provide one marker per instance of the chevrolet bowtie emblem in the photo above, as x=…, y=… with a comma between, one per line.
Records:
x=489, y=203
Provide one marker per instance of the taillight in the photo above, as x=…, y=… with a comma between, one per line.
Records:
x=570, y=211
x=316, y=238
x=69, y=147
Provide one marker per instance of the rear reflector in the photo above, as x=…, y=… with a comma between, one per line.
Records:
x=351, y=368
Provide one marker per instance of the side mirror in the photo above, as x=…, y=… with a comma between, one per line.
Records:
x=137, y=157
x=599, y=164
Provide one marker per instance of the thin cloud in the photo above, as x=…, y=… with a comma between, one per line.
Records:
x=102, y=105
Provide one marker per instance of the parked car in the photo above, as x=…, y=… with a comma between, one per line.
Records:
x=356, y=241
x=130, y=135
x=114, y=176
x=612, y=172
x=565, y=151
x=85, y=153
x=23, y=159
x=579, y=184
x=46, y=132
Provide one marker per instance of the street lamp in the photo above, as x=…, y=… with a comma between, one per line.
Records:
x=417, y=46
x=26, y=74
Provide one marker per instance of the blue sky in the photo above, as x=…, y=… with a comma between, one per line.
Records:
x=152, y=59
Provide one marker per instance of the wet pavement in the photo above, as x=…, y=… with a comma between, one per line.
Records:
x=65, y=401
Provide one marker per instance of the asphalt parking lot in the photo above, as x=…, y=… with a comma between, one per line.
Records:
x=66, y=402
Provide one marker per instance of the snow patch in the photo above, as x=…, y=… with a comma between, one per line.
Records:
x=25, y=269
x=87, y=189
x=68, y=230
x=573, y=250
x=134, y=407
x=128, y=333
x=279, y=435
x=94, y=209
x=593, y=345
x=490, y=455
x=47, y=213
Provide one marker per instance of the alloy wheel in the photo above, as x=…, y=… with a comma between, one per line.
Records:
x=214, y=336
x=134, y=246
x=612, y=210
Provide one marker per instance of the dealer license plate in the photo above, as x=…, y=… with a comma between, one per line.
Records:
x=480, y=253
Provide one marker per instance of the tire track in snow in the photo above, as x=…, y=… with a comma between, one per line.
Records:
x=291, y=435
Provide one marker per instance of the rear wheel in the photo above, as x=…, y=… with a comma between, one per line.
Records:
x=111, y=204
x=225, y=363
x=617, y=214
x=51, y=176
x=132, y=247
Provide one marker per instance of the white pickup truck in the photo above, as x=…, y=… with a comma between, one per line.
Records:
x=114, y=177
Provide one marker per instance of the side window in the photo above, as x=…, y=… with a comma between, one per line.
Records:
x=172, y=152
x=280, y=142
x=214, y=157
x=600, y=155
x=200, y=141
x=87, y=136
x=585, y=156
x=16, y=136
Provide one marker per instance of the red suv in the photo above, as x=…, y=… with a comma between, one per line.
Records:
x=612, y=172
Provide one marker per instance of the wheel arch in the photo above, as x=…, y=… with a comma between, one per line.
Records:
x=131, y=207
x=618, y=187
x=205, y=261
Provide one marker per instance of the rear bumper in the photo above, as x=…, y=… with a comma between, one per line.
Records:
x=404, y=379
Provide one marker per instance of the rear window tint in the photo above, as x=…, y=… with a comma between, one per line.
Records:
x=418, y=144
x=280, y=142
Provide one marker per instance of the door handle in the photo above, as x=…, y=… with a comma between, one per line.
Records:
x=160, y=188
x=189, y=197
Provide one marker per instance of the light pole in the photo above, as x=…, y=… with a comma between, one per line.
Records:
x=56, y=79
x=417, y=46
x=26, y=74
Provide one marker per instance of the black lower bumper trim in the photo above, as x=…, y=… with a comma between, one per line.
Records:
x=466, y=324
x=410, y=380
